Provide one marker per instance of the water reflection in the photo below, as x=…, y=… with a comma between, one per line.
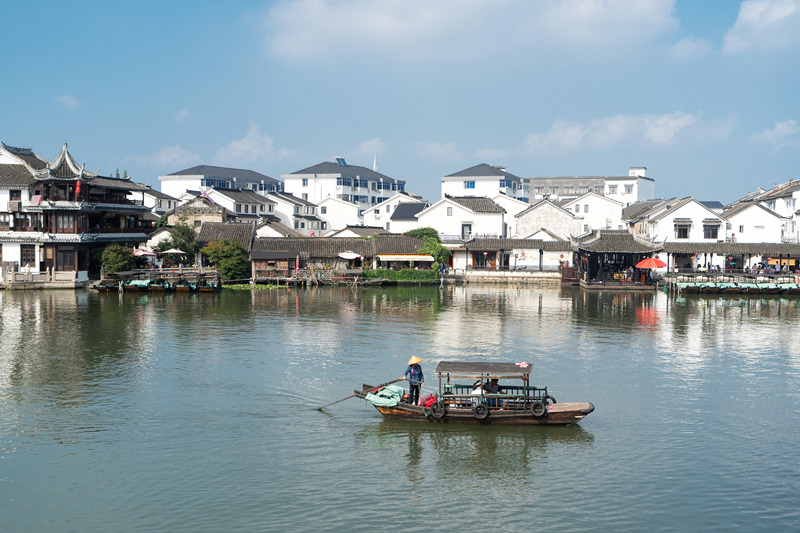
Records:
x=501, y=458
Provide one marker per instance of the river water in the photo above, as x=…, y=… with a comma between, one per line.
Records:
x=197, y=412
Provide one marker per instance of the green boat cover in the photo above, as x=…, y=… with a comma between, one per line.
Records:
x=388, y=396
x=139, y=282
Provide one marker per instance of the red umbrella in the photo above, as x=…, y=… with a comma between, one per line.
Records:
x=651, y=262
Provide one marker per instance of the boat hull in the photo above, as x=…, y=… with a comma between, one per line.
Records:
x=558, y=414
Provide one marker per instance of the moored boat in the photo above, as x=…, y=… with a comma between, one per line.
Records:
x=518, y=404
x=136, y=285
x=185, y=286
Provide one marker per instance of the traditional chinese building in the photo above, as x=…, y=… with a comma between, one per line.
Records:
x=54, y=214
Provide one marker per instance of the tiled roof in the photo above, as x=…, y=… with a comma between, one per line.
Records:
x=738, y=208
x=26, y=154
x=231, y=231
x=478, y=204
x=15, y=176
x=328, y=167
x=243, y=196
x=407, y=210
x=223, y=172
x=615, y=241
x=488, y=244
x=281, y=228
x=364, y=231
x=330, y=247
x=480, y=170
x=722, y=248
x=290, y=198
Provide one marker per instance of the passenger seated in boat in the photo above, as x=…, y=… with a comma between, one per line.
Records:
x=477, y=390
x=493, y=387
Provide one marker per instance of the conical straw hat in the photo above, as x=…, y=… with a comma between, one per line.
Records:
x=414, y=360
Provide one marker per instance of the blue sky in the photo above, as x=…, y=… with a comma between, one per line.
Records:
x=702, y=93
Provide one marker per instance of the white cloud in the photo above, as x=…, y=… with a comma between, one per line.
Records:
x=463, y=28
x=182, y=115
x=68, y=101
x=783, y=134
x=490, y=154
x=372, y=146
x=690, y=48
x=439, y=151
x=254, y=146
x=168, y=157
x=565, y=136
x=764, y=25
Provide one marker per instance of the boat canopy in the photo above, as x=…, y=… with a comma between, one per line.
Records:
x=475, y=370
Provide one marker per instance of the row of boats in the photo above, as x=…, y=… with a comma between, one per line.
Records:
x=738, y=287
x=157, y=285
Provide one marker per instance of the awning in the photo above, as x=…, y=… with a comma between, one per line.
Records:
x=349, y=255
x=422, y=258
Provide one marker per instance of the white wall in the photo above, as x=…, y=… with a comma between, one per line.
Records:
x=551, y=217
x=338, y=214
x=603, y=213
x=755, y=225
x=482, y=223
x=664, y=228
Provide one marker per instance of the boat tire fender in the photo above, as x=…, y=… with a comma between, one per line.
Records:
x=549, y=400
x=438, y=410
x=481, y=411
x=538, y=409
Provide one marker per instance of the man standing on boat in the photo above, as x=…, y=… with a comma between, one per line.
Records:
x=415, y=379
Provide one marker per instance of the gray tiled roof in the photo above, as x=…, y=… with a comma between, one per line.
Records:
x=407, y=210
x=281, y=228
x=480, y=170
x=744, y=205
x=291, y=198
x=242, y=233
x=487, y=244
x=243, y=196
x=615, y=241
x=722, y=248
x=330, y=247
x=15, y=176
x=478, y=204
x=223, y=172
x=365, y=231
x=328, y=167
x=27, y=155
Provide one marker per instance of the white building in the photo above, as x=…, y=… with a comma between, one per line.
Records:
x=205, y=177
x=686, y=220
x=634, y=187
x=752, y=222
x=339, y=214
x=484, y=181
x=248, y=205
x=464, y=217
x=512, y=207
x=351, y=183
x=404, y=217
x=298, y=214
x=784, y=199
x=158, y=202
x=380, y=214
x=546, y=215
x=596, y=212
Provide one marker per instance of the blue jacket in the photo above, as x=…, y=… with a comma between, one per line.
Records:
x=414, y=373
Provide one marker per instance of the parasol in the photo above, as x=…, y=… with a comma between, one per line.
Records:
x=651, y=262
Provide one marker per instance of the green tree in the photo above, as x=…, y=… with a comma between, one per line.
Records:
x=431, y=244
x=183, y=237
x=117, y=258
x=231, y=260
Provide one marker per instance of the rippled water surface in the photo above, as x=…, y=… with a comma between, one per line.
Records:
x=197, y=412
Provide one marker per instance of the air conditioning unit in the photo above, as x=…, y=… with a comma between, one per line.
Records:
x=13, y=206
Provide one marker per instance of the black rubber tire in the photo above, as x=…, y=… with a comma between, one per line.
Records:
x=538, y=409
x=438, y=410
x=549, y=400
x=481, y=411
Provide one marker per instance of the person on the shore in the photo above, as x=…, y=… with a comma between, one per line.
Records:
x=415, y=379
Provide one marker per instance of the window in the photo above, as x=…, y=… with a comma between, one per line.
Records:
x=449, y=211
x=585, y=228
x=681, y=232
x=387, y=226
x=297, y=210
x=612, y=189
x=466, y=230
x=388, y=208
x=14, y=195
x=65, y=223
x=270, y=208
x=305, y=196
x=554, y=191
x=577, y=208
x=262, y=208
x=741, y=229
x=198, y=223
x=585, y=208
x=296, y=224
x=502, y=184
x=469, y=184
x=324, y=225
x=305, y=182
x=323, y=210
x=710, y=232
x=5, y=222
x=238, y=208
x=27, y=255
x=376, y=211
x=159, y=203
x=629, y=189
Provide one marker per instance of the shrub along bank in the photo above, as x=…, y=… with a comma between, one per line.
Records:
x=405, y=275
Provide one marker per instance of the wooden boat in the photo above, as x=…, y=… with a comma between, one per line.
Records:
x=689, y=288
x=160, y=285
x=749, y=288
x=208, y=286
x=710, y=288
x=790, y=288
x=770, y=288
x=185, y=286
x=107, y=285
x=520, y=404
x=136, y=285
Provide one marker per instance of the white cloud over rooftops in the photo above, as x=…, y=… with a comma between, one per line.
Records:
x=254, y=146
x=764, y=25
x=420, y=29
x=783, y=134
x=566, y=136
